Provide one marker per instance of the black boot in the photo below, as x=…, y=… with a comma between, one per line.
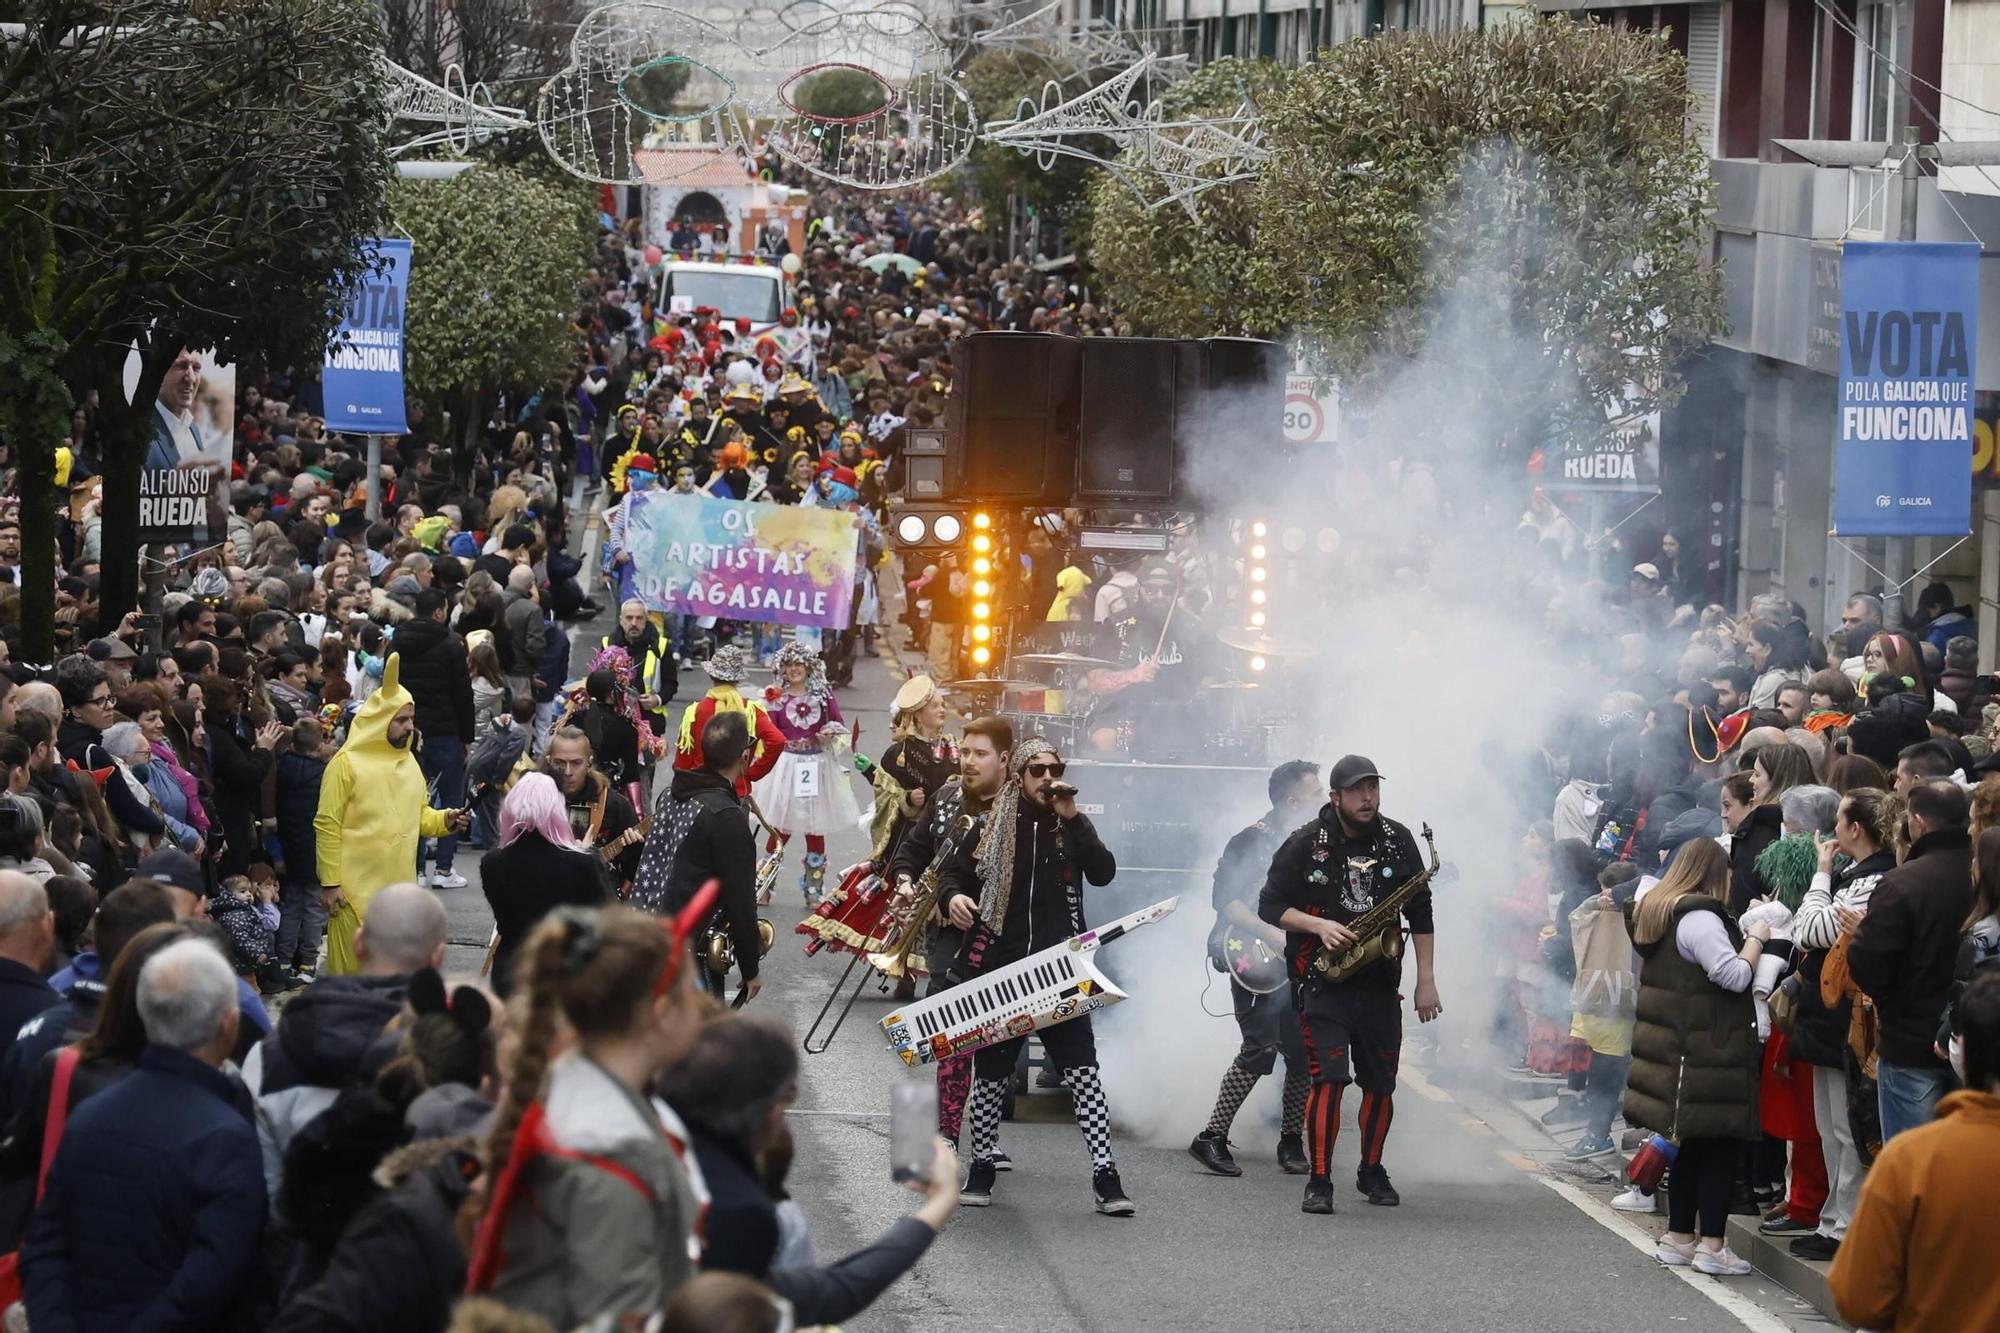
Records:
x=1212, y=1151
x=1374, y=1182
x=1292, y=1158
x=1319, y=1196
x=1110, y=1192
x=978, y=1189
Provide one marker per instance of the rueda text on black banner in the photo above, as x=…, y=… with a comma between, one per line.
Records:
x=171, y=501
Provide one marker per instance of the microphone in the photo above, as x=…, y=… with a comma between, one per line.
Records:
x=1059, y=790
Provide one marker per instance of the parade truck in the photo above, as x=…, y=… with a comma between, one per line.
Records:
x=756, y=292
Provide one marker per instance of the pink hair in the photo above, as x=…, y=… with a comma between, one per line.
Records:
x=536, y=806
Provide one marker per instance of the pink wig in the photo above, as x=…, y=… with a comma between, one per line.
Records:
x=536, y=806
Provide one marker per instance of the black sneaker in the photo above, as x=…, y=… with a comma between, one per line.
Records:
x=1319, y=1196
x=1374, y=1182
x=1001, y=1161
x=1111, y=1200
x=977, y=1192
x=1816, y=1247
x=1212, y=1151
x=1292, y=1159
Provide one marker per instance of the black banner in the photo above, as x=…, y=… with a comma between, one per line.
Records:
x=172, y=502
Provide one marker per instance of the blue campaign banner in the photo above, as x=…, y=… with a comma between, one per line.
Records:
x=1903, y=439
x=363, y=376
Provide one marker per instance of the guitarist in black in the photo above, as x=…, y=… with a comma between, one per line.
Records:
x=1326, y=875
x=1267, y=1021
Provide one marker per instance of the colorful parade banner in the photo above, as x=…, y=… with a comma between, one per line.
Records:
x=695, y=555
x=362, y=379
x=1909, y=318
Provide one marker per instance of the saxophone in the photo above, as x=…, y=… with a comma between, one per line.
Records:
x=1380, y=927
x=911, y=915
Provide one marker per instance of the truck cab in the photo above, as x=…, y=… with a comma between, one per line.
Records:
x=756, y=292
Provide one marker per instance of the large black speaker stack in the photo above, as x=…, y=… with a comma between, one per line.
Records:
x=1037, y=418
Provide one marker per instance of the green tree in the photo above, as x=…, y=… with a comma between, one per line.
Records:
x=998, y=82
x=159, y=189
x=1537, y=182
x=840, y=93
x=1170, y=274
x=497, y=262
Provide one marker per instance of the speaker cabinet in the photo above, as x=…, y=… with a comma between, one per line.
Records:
x=1125, y=435
x=1014, y=418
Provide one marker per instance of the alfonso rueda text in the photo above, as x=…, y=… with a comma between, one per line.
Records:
x=173, y=497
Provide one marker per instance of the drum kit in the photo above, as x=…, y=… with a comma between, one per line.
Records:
x=1038, y=707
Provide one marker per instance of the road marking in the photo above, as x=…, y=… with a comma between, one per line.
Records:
x=1744, y=1310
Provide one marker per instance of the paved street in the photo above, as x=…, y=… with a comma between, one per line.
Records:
x=1483, y=1239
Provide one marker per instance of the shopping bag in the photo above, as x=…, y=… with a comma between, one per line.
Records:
x=1605, y=985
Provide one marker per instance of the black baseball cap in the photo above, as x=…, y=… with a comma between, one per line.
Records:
x=1352, y=771
x=171, y=866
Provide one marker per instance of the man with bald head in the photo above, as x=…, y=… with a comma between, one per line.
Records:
x=330, y=1035
x=27, y=937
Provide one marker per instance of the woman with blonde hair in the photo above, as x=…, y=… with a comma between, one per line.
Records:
x=1694, y=1075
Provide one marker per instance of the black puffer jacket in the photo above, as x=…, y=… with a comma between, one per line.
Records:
x=332, y=1034
x=433, y=671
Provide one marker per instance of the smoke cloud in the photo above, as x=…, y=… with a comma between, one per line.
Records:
x=1437, y=641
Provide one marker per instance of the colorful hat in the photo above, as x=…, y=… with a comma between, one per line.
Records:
x=727, y=665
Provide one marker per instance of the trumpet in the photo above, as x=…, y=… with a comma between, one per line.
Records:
x=908, y=916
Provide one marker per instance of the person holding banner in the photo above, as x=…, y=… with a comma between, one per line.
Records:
x=806, y=790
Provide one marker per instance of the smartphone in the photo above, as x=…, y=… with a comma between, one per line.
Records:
x=912, y=1130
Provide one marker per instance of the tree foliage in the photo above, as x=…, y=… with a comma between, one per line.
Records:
x=1169, y=274
x=1529, y=193
x=841, y=93
x=172, y=173
x=997, y=82
x=497, y=262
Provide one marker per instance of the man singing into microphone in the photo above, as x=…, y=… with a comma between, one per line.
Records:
x=1015, y=887
x=1323, y=877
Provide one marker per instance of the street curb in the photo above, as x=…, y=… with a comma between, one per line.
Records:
x=1772, y=1258
x=1775, y=1260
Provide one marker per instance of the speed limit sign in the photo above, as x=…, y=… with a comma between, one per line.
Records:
x=1312, y=410
x=1303, y=419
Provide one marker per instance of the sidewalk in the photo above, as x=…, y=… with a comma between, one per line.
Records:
x=1534, y=1096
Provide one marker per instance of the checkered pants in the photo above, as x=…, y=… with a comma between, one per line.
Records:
x=1093, y=1115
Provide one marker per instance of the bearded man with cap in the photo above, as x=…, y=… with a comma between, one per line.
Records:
x=1322, y=878
x=365, y=832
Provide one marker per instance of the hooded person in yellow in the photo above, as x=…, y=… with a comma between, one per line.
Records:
x=1069, y=588
x=365, y=830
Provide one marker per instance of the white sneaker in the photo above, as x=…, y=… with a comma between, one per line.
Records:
x=1636, y=1200
x=423, y=879
x=1676, y=1255
x=1720, y=1263
x=451, y=879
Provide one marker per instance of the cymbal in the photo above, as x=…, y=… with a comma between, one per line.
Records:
x=978, y=683
x=1232, y=685
x=1062, y=659
x=1258, y=641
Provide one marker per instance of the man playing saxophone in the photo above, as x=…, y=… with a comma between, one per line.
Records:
x=1322, y=881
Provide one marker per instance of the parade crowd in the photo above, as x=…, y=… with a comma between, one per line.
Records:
x=1759, y=921
x=237, y=1089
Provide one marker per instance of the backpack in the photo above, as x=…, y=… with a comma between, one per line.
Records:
x=493, y=756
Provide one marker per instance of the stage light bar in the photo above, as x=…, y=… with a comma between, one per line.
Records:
x=981, y=656
x=1122, y=539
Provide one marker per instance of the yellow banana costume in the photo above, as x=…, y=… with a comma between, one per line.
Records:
x=364, y=831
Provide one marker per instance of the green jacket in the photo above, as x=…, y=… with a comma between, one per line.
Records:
x=605, y=1228
x=1695, y=1055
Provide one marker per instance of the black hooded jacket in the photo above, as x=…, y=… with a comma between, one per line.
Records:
x=433, y=671
x=1045, y=904
x=332, y=1033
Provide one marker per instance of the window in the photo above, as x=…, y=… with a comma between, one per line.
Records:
x=1878, y=101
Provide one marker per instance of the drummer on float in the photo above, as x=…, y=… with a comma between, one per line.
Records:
x=1167, y=655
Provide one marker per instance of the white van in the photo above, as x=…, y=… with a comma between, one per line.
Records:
x=756, y=292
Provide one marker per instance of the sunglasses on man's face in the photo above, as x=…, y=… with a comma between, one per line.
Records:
x=1041, y=770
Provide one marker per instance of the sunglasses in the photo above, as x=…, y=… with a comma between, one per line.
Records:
x=1040, y=770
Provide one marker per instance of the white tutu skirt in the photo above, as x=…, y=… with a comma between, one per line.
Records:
x=794, y=804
